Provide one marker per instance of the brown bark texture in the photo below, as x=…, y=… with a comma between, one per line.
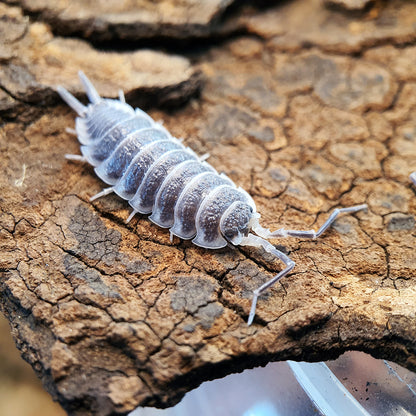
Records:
x=305, y=105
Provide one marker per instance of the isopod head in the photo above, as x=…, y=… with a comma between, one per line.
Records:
x=236, y=221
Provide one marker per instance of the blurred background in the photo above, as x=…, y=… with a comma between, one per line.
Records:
x=21, y=393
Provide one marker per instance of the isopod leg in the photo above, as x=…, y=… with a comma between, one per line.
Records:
x=413, y=178
x=104, y=192
x=134, y=212
x=255, y=241
x=78, y=158
x=121, y=96
x=71, y=131
x=312, y=233
x=204, y=157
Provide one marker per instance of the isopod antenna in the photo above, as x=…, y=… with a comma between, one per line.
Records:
x=256, y=241
x=260, y=240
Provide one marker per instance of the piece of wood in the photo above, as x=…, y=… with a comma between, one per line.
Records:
x=131, y=20
x=113, y=316
x=34, y=63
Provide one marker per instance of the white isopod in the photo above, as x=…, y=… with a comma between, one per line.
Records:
x=158, y=175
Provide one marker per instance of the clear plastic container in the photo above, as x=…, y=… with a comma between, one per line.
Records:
x=354, y=384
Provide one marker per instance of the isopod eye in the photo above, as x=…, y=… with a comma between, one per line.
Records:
x=235, y=222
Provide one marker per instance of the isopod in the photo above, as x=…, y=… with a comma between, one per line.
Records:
x=158, y=175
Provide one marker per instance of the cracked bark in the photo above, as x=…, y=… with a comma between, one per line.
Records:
x=112, y=316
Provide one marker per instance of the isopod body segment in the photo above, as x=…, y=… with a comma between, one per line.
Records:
x=144, y=164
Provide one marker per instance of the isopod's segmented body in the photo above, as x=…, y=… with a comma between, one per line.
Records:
x=158, y=175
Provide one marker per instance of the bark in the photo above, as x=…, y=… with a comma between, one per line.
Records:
x=306, y=117
x=132, y=20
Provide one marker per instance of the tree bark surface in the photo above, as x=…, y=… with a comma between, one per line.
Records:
x=307, y=106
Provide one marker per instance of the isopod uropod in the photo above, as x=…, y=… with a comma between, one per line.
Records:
x=158, y=175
